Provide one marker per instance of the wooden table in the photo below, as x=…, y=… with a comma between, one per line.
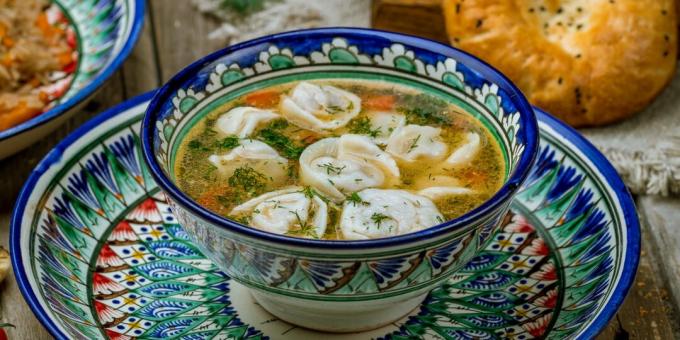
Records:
x=173, y=36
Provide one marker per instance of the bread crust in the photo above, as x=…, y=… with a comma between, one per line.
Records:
x=589, y=62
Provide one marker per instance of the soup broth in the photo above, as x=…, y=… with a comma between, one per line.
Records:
x=339, y=159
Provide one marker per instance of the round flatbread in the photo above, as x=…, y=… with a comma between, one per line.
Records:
x=589, y=62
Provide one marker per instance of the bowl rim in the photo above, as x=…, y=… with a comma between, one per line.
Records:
x=94, y=85
x=489, y=74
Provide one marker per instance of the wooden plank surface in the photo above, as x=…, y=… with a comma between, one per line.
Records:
x=173, y=36
x=418, y=17
x=649, y=311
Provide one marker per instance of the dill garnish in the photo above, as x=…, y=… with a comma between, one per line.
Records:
x=331, y=169
x=414, y=144
x=377, y=218
x=229, y=142
x=423, y=109
x=248, y=180
x=272, y=135
x=355, y=199
x=362, y=126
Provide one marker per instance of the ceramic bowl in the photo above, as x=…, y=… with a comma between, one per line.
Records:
x=105, y=32
x=339, y=286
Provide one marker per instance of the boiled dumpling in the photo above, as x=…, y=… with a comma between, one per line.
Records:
x=435, y=193
x=436, y=187
x=248, y=149
x=286, y=211
x=466, y=153
x=255, y=154
x=385, y=213
x=319, y=108
x=242, y=121
x=385, y=124
x=413, y=142
x=339, y=166
x=362, y=149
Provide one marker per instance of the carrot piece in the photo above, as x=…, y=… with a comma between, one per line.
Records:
x=7, y=59
x=209, y=198
x=474, y=177
x=35, y=82
x=263, y=99
x=381, y=102
x=3, y=31
x=8, y=42
x=16, y=115
x=44, y=97
x=44, y=25
x=65, y=58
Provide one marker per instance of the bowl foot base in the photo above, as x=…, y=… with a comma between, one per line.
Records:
x=337, y=316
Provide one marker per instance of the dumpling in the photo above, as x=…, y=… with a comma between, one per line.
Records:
x=338, y=166
x=466, y=153
x=386, y=123
x=248, y=149
x=286, y=211
x=255, y=154
x=385, y=213
x=319, y=108
x=413, y=142
x=436, y=187
x=362, y=149
x=242, y=121
x=435, y=193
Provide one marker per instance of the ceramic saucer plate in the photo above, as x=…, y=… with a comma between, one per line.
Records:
x=104, y=32
x=98, y=253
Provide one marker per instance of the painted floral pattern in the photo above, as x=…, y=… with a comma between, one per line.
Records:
x=111, y=259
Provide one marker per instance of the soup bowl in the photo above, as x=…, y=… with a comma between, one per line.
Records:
x=338, y=285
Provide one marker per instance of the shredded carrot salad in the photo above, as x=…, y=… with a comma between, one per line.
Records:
x=37, y=58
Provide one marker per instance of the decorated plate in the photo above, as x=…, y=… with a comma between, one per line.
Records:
x=98, y=253
x=103, y=33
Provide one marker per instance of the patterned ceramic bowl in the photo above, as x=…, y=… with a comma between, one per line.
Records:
x=339, y=285
x=105, y=32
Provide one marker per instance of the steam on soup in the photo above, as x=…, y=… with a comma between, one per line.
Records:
x=339, y=159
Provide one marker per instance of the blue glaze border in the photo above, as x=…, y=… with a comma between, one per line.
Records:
x=52, y=158
x=93, y=86
x=624, y=198
x=632, y=223
x=300, y=41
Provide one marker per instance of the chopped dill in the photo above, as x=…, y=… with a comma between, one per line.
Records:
x=414, y=144
x=248, y=180
x=306, y=229
x=331, y=169
x=377, y=218
x=423, y=109
x=355, y=199
x=229, y=142
x=362, y=126
x=273, y=136
x=197, y=145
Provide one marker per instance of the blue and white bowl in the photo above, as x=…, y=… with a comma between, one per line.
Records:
x=339, y=285
x=106, y=32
